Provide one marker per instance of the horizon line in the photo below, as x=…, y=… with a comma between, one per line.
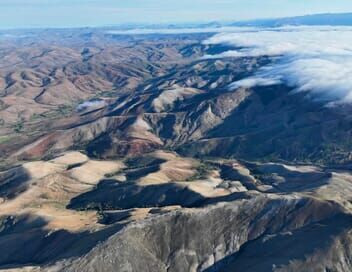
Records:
x=190, y=23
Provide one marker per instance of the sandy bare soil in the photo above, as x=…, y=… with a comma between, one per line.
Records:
x=52, y=185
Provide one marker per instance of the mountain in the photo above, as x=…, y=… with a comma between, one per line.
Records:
x=330, y=19
x=189, y=109
x=132, y=153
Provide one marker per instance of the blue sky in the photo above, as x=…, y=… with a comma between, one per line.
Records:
x=74, y=13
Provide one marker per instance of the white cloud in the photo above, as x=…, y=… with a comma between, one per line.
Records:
x=189, y=30
x=91, y=104
x=317, y=60
x=254, y=81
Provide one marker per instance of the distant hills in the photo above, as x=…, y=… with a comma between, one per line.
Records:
x=334, y=19
x=328, y=19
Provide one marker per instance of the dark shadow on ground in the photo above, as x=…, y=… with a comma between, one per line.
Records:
x=13, y=182
x=112, y=195
x=25, y=241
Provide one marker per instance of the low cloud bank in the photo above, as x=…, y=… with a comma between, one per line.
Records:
x=254, y=81
x=91, y=104
x=316, y=60
x=12, y=36
x=190, y=30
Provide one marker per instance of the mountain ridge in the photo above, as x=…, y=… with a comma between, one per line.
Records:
x=322, y=19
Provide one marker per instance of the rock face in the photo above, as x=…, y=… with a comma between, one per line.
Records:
x=245, y=235
x=131, y=153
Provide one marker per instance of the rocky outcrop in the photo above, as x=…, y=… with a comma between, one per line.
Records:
x=215, y=238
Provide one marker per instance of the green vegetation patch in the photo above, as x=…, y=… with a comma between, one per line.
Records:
x=202, y=171
x=19, y=125
x=5, y=139
x=141, y=162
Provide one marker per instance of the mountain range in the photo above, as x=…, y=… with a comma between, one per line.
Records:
x=133, y=153
x=331, y=19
